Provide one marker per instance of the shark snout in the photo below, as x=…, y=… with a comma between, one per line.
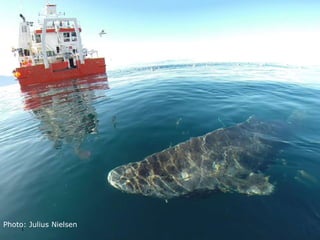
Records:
x=114, y=178
x=121, y=178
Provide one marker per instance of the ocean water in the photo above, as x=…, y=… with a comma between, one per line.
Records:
x=58, y=143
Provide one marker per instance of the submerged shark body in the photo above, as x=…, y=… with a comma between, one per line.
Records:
x=228, y=159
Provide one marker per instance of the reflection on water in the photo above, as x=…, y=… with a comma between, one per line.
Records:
x=65, y=110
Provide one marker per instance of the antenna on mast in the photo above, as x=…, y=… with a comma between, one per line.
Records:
x=20, y=5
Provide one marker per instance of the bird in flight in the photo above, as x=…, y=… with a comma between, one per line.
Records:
x=102, y=33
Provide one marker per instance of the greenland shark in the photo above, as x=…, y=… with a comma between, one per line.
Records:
x=228, y=159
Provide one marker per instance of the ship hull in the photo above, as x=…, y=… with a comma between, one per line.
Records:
x=59, y=71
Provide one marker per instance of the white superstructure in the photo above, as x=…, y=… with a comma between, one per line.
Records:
x=55, y=39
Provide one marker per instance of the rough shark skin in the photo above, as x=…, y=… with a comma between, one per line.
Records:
x=227, y=159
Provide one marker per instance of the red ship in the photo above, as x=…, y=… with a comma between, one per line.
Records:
x=53, y=51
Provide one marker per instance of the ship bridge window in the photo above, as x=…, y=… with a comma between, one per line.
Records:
x=23, y=52
x=20, y=51
x=51, y=53
x=38, y=38
x=66, y=37
x=26, y=52
x=74, y=36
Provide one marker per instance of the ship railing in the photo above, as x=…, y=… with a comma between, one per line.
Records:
x=91, y=53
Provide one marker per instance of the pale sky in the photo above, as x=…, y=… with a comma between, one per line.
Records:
x=144, y=31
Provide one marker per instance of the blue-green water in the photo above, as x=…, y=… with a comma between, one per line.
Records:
x=58, y=143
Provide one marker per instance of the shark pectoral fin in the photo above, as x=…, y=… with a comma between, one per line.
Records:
x=256, y=184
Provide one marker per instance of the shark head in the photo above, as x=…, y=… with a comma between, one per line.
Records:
x=131, y=178
x=122, y=178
